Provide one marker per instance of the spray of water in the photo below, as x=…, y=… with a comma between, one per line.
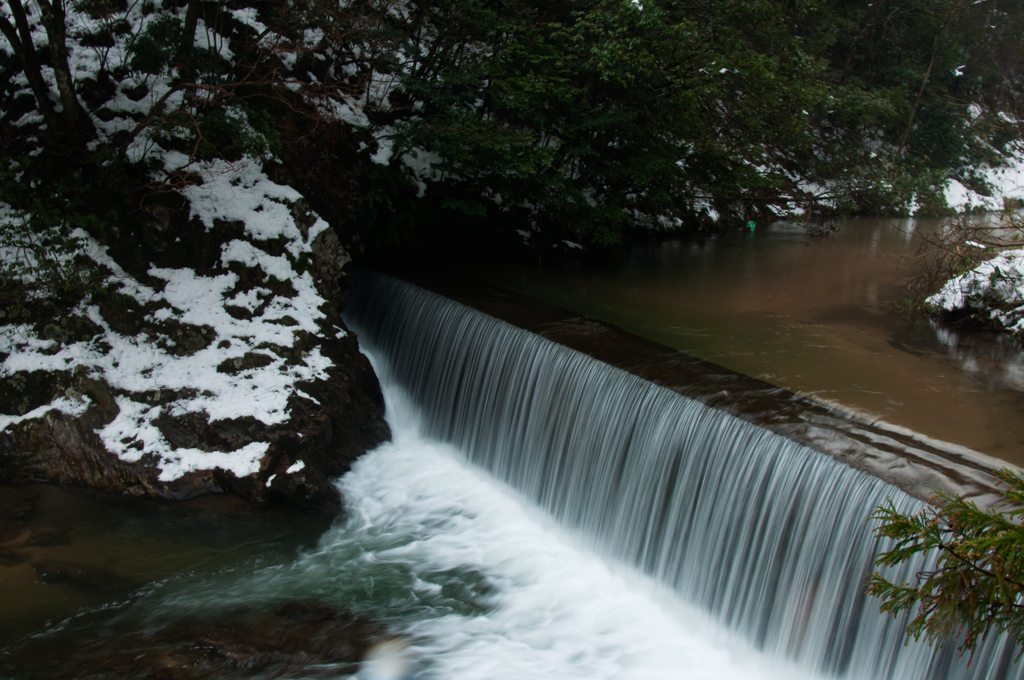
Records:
x=761, y=535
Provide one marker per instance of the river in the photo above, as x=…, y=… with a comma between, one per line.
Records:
x=483, y=583
x=815, y=316
x=539, y=514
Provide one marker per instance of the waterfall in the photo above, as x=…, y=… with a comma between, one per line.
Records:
x=766, y=535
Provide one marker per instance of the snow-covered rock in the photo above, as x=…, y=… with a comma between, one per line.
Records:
x=994, y=288
x=242, y=377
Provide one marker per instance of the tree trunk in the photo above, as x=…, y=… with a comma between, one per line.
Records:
x=26, y=53
x=76, y=120
x=191, y=22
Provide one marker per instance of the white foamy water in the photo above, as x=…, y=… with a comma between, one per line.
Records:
x=545, y=607
x=759, y=534
x=480, y=583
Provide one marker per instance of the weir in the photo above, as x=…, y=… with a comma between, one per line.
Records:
x=766, y=535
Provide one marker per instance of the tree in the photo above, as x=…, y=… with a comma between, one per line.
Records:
x=977, y=584
x=590, y=119
x=599, y=116
x=19, y=35
x=943, y=75
x=72, y=119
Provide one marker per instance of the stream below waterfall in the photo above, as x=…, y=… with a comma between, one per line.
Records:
x=538, y=514
x=482, y=583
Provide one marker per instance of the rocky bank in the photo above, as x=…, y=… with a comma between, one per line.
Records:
x=235, y=373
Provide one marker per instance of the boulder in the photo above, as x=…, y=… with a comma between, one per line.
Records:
x=319, y=442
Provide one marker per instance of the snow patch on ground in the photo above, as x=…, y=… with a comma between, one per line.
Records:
x=138, y=365
x=72, y=407
x=995, y=287
x=1006, y=182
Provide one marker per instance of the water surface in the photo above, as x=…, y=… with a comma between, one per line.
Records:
x=477, y=579
x=816, y=316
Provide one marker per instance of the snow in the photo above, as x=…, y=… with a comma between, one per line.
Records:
x=208, y=39
x=134, y=365
x=147, y=372
x=995, y=287
x=385, y=146
x=247, y=16
x=422, y=164
x=72, y=407
x=351, y=111
x=1006, y=182
x=132, y=435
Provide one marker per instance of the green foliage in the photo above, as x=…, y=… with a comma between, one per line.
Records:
x=595, y=118
x=164, y=47
x=977, y=583
x=237, y=131
x=41, y=261
x=157, y=46
x=215, y=120
x=227, y=131
x=600, y=115
x=389, y=204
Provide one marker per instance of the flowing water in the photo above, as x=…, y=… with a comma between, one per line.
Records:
x=765, y=536
x=814, y=316
x=483, y=583
x=538, y=515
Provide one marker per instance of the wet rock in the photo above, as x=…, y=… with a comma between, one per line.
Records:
x=188, y=339
x=161, y=211
x=329, y=260
x=240, y=313
x=52, y=331
x=182, y=431
x=330, y=423
x=307, y=487
x=105, y=114
x=98, y=91
x=333, y=421
x=299, y=639
x=104, y=407
x=78, y=575
x=303, y=215
x=284, y=321
x=65, y=449
x=71, y=329
x=323, y=173
x=25, y=391
x=247, y=361
x=136, y=93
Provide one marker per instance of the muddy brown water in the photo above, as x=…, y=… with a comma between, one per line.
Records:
x=815, y=316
